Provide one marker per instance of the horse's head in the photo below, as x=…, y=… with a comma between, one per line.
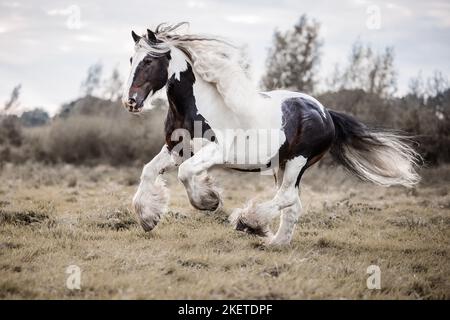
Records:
x=149, y=71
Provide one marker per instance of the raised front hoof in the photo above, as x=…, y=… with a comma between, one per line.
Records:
x=205, y=195
x=209, y=202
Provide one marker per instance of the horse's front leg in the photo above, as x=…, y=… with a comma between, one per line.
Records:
x=200, y=189
x=152, y=197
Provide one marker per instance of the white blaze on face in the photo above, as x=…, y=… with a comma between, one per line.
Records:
x=138, y=56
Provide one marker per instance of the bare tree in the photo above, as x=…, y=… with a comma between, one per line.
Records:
x=433, y=86
x=13, y=101
x=294, y=57
x=113, y=86
x=373, y=72
x=334, y=82
x=383, y=77
x=416, y=86
x=92, y=81
x=437, y=84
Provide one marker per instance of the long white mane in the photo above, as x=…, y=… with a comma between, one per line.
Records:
x=213, y=59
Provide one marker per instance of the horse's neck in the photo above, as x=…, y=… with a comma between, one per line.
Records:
x=211, y=105
x=233, y=107
x=183, y=113
x=180, y=93
x=233, y=102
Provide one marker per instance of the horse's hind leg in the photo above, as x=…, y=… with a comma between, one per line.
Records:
x=151, y=198
x=288, y=220
x=257, y=216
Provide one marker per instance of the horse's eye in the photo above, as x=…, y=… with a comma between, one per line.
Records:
x=147, y=60
x=131, y=60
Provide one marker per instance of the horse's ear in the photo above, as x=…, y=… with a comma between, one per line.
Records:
x=136, y=38
x=151, y=35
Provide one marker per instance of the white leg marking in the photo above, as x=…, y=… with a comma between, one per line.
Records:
x=151, y=198
x=288, y=220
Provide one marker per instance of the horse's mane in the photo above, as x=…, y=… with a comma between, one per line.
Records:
x=215, y=60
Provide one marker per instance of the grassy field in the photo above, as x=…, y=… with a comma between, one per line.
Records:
x=53, y=217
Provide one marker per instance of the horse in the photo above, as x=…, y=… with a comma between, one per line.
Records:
x=216, y=115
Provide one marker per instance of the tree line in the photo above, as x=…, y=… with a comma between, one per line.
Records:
x=365, y=85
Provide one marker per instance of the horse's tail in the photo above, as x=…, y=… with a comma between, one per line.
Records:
x=380, y=156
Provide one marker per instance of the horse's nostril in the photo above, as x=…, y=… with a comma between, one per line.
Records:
x=131, y=102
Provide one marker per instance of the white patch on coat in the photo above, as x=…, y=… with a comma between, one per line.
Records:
x=258, y=115
x=177, y=63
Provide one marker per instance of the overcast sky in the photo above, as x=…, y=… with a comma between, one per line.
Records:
x=48, y=48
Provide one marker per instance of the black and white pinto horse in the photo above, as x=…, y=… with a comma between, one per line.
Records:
x=208, y=91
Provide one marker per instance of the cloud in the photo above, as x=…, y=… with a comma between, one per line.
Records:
x=244, y=19
x=47, y=35
x=61, y=12
x=196, y=4
x=73, y=13
x=12, y=4
x=65, y=48
x=88, y=38
x=441, y=17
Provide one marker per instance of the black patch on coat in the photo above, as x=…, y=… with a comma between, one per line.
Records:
x=182, y=108
x=308, y=132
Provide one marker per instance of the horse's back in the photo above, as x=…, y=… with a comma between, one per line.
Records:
x=282, y=95
x=307, y=125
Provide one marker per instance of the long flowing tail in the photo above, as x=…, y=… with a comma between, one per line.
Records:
x=380, y=156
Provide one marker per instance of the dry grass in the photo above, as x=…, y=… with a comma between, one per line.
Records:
x=53, y=217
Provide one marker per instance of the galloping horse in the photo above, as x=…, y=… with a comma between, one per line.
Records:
x=216, y=117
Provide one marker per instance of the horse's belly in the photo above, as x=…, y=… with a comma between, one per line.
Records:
x=249, y=147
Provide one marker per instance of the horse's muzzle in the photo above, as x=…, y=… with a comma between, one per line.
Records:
x=132, y=106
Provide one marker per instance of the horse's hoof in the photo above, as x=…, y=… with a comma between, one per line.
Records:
x=247, y=220
x=150, y=203
x=210, y=201
x=257, y=231
x=206, y=195
x=148, y=225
